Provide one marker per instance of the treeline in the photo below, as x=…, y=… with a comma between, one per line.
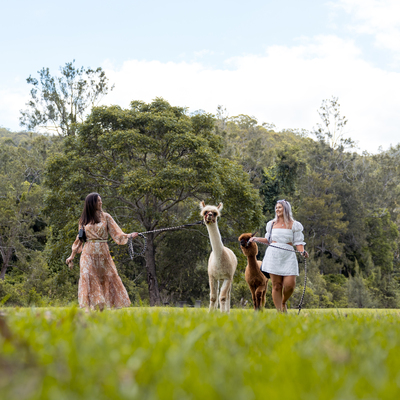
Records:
x=348, y=204
x=153, y=163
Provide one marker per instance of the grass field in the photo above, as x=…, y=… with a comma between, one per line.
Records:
x=168, y=353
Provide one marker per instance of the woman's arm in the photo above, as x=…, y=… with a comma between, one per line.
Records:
x=116, y=232
x=264, y=240
x=259, y=239
x=76, y=248
x=298, y=237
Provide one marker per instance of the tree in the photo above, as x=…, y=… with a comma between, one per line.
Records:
x=321, y=214
x=331, y=130
x=279, y=180
x=316, y=293
x=358, y=293
x=22, y=227
x=384, y=186
x=58, y=102
x=151, y=163
x=382, y=240
x=251, y=145
x=222, y=117
x=183, y=274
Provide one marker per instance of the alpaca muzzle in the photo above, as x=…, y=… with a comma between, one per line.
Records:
x=209, y=217
x=244, y=243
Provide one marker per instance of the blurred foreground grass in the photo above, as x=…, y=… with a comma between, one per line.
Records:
x=167, y=353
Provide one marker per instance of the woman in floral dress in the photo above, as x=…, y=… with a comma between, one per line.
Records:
x=99, y=284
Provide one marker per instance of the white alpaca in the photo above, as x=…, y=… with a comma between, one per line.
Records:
x=222, y=262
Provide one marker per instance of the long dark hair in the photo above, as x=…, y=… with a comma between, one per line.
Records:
x=90, y=212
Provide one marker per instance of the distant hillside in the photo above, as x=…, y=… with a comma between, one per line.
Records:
x=16, y=137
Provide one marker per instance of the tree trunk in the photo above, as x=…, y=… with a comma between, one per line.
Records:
x=6, y=256
x=3, y=272
x=152, y=283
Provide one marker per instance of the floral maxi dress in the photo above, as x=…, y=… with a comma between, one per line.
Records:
x=99, y=282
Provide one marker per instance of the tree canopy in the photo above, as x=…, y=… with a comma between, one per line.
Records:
x=58, y=102
x=152, y=164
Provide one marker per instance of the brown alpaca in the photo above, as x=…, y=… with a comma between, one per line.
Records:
x=254, y=277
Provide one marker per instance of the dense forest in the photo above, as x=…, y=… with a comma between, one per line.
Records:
x=153, y=163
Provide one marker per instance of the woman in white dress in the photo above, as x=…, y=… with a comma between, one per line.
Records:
x=282, y=265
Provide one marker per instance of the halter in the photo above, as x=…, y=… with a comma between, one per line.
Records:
x=214, y=215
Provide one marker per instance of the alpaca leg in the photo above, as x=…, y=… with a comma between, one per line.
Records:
x=253, y=297
x=263, y=298
x=228, y=299
x=259, y=294
x=217, y=301
x=223, y=295
x=213, y=294
x=257, y=300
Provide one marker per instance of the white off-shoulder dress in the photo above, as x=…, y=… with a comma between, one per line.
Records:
x=282, y=262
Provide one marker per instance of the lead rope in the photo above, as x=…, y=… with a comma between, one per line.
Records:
x=304, y=287
x=132, y=253
x=131, y=250
x=305, y=271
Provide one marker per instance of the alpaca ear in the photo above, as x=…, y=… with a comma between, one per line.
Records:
x=202, y=205
x=220, y=205
x=254, y=234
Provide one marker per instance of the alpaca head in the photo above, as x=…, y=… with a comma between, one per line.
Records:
x=248, y=249
x=210, y=214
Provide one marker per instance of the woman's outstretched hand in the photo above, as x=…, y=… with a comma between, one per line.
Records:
x=70, y=262
x=134, y=234
x=305, y=254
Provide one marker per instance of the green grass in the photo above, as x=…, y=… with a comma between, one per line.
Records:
x=167, y=353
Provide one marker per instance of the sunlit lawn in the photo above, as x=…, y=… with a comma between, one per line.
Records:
x=169, y=353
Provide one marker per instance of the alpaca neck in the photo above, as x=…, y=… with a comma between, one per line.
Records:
x=252, y=263
x=215, y=238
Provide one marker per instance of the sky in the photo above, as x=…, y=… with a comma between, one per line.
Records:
x=275, y=61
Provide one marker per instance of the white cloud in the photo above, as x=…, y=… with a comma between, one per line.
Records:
x=378, y=18
x=285, y=86
x=11, y=101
